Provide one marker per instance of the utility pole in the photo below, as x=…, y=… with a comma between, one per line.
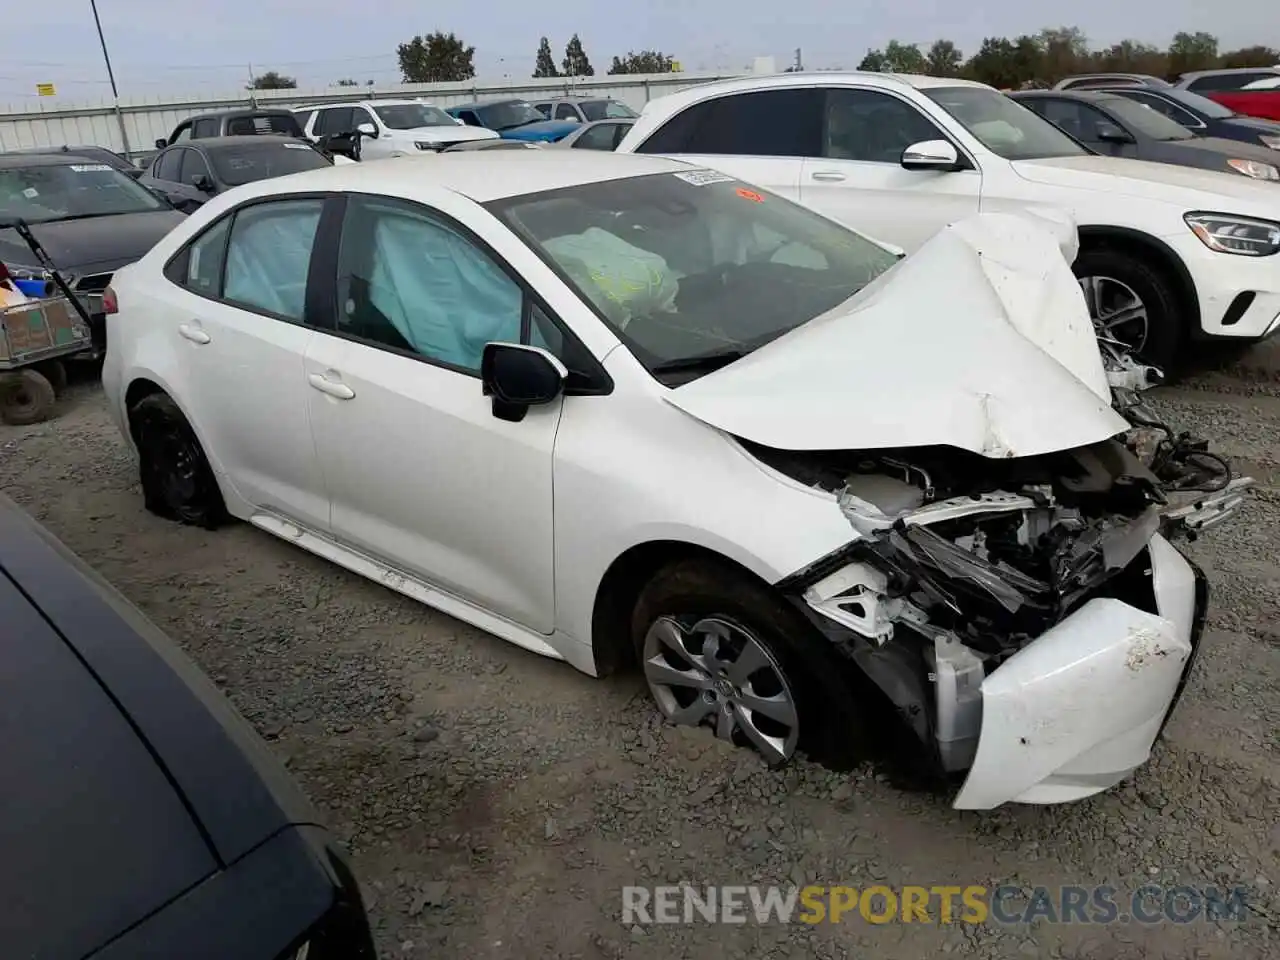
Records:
x=115, y=94
x=799, y=65
x=253, y=96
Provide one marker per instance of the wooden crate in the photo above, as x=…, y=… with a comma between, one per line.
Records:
x=38, y=330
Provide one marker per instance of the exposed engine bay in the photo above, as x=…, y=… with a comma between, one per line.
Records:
x=962, y=561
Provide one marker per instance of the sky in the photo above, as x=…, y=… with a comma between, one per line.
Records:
x=157, y=51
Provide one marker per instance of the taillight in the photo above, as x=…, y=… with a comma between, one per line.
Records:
x=109, y=303
x=4, y=273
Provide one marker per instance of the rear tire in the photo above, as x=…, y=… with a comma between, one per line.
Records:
x=177, y=481
x=1166, y=320
x=55, y=371
x=26, y=397
x=690, y=601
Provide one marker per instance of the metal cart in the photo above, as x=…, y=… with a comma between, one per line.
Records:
x=34, y=338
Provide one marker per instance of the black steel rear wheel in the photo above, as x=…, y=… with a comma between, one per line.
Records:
x=177, y=480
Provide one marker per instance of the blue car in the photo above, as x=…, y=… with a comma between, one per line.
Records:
x=513, y=120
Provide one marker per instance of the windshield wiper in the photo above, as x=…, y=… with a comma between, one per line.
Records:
x=701, y=363
x=91, y=216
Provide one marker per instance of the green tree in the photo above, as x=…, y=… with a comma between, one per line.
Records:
x=1130, y=56
x=1192, y=51
x=544, y=65
x=1251, y=57
x=1062, y=52
x=646, y=61
x=436, y=58
x=575, y=63
x=904, y=58
x=943, y=59
x=272, y=80
x=993, y=63
x=874, y=61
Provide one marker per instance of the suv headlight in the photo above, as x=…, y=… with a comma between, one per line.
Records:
x=1244, y=236
x=428, y=145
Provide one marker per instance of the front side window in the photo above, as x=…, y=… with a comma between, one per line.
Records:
x=565, y=111
x=1005, y=127
x=72, y=191
x=411, y=282
x=544, y=109
x=410, y=116
x=334, y=120
x=193, y=165
x=603, y=136
x=208, y=127
x=872, y=126
x=184, y=133
x=269, y=255
x=1147, y=121
x=691, y=265
x=1070, y=116
x=1165, y=107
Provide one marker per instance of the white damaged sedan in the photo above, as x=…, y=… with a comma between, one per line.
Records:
x=616, y=409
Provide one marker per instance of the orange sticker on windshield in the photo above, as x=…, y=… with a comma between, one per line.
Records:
x=750, y=195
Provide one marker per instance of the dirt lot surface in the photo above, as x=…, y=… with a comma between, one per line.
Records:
x=496, y=803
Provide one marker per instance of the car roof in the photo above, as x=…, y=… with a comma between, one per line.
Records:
x=577, y=99
x=1225, y=71
x=246, y=112
x=481, y=175
x=239, y=140
x=1091, y=96
x=485, y=103
x=11, y=161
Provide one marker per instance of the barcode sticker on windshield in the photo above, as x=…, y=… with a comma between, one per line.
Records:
x=295, y=146
x=31, y=193
x=700, y=178
x=89, y=167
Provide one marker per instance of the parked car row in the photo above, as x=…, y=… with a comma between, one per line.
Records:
x=1248, y=91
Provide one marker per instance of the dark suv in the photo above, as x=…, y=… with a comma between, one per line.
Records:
x=234, y=123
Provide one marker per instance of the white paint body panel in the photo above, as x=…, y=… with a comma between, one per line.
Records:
x=511, y=527
x=906, y=207
x=1078, y=709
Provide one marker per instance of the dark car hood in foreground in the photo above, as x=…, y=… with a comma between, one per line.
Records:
x=1206, y=147
x=94, y=245
x=127, y=777
x=1253, y=123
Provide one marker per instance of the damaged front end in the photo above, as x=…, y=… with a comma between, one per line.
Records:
x=1025, y=615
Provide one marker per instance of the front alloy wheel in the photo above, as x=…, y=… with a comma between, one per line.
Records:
x=1120, y=318
x=711, y=671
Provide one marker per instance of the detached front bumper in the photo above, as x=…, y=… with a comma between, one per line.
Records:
x=1078, y=709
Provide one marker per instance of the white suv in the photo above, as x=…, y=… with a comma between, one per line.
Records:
x=389, y=128
x=1166, y=253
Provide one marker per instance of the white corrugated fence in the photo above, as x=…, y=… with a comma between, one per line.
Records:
x=135, y=126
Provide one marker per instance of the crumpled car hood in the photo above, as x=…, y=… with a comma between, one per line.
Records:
x=981, y=340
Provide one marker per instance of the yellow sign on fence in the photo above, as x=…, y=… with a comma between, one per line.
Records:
x=675, y=66
x=45, y=90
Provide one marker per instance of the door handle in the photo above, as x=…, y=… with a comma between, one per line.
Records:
x=193, y=334
x=339, y=390
x=827, y=175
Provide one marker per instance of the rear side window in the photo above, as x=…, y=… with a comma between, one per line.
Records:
x=565, y=111
x=269, y=123
x=165, y=166
x=199, y=267
x=208, y=127
x=763, y=123
x=269, y=256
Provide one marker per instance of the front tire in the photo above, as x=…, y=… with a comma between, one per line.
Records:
x=719, y=650
x=1134, y=302
x=177, y=480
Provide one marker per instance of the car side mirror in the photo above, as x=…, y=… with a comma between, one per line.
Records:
x=161, y=143
x=366, y=129
x=931, y=155
x=202, y=182
x=519, y=377
x=1111, y=133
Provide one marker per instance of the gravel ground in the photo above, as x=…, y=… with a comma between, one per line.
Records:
x=496, y=802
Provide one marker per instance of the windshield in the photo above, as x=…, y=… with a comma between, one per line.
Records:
x=693, y=265
x=1146, y=120
x=1003, y=126
x=606, y=110
x=258, y=161
x=407, y=116
x=71, y=191
x=1210, y=108
x=504, y=116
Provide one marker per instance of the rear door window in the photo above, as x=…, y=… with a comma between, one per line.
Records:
x=762, y=123
x=166, y=165
x=208, y=127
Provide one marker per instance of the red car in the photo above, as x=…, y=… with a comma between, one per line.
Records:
x=1252, y=91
